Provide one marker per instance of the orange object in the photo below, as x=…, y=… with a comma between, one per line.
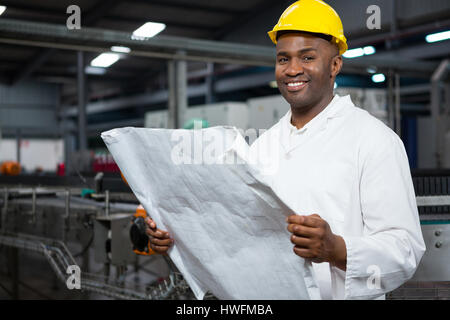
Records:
x=139, y=223
x=140, y=212
x=124, y=180
x=10, y=168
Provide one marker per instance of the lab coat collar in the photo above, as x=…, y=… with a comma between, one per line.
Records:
x=335, y=108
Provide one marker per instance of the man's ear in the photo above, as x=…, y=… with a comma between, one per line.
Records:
x=336, y=65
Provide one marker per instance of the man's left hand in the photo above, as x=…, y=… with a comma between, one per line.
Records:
x=314, y=240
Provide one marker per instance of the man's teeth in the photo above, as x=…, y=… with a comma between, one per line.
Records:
x=294, y=84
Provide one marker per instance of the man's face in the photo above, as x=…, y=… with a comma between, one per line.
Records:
x=305, y=70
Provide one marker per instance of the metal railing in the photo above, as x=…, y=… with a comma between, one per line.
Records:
x=60, y=258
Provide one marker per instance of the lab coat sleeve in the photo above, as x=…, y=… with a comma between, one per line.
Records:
x=391, y=246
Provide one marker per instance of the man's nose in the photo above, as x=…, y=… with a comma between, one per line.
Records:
x=294, y=68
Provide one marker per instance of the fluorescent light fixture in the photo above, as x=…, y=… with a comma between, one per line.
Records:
x=105, y=60
x=371, y=69
x=440, y=36
x=120, y=49
x=149, y=29
x=273, y=84
x=359, y=52
x=379, y=77
x=94, y=70
x=2, y=9
x=353, y=53
x=369, y=50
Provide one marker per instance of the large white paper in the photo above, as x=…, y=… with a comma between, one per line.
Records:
x=228, y=226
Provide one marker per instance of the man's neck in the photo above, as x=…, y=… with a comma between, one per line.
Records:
x=299, y=119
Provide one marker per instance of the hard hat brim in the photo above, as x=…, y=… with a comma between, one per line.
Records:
x=340, y=43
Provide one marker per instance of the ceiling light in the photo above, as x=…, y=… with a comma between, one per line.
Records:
x=371, y=69
x=369, y=50
x=359, y=52
x=94, y=70
x=353, y=53
x=105, y=60
x=149, y=29
x=120, y=49
x=440, y=36
x=2, y=9
x=379, y=77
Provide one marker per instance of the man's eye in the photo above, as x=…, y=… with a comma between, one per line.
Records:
x=281, y=60
x=308, y=58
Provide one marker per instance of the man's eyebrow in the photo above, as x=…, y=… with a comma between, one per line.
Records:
x=286, y=53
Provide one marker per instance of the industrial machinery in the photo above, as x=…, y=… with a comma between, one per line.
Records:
x=432, y=189
x=101, y=233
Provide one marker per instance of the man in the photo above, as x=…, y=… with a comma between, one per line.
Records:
x=343, y=172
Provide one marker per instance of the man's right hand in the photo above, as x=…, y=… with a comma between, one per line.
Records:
x=160, y=241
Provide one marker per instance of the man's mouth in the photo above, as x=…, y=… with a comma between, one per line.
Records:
x=296, y=86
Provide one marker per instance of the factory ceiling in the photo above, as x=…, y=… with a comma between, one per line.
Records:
x=404, y=24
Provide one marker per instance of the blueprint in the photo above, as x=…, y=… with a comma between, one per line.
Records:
x=228, y=226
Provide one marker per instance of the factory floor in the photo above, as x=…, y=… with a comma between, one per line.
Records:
x=37, y=280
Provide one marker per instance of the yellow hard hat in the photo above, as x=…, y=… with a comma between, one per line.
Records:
x=311, y=16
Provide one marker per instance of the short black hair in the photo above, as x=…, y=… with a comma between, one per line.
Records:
x=326, y=37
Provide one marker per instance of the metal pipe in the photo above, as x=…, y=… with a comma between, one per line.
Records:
x=398, y=117
x=18, y=143
x=209, y=80
x=5, y=208
x=67, y=211
x=107, y=203
x=66, y=215
x=172, y=100
x=391, y=111
x=437, y=112
x=81, y=80
x=181, y=90
x=33, y=206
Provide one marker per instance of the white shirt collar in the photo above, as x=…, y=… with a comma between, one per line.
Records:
x=320, y=121
x=321, y=115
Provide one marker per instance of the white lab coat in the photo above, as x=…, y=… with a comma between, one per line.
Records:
x=352, y=170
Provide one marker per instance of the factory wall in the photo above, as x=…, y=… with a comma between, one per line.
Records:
x=35, y=154
x=28, y=111
x=28, y=105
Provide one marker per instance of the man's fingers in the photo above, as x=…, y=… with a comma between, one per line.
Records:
x=313, y=221
x=161, y=242
x=301, y=242
x=150, y=223
x=301, y=230
x=159, y=249
x=157, y=233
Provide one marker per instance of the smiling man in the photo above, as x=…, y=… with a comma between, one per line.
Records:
x=343, y=172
